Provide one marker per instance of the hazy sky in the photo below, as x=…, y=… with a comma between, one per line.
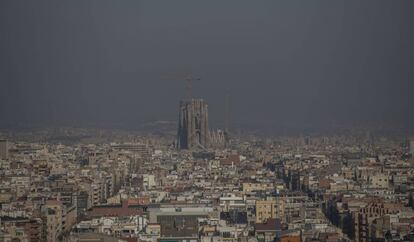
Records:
x=282, y=62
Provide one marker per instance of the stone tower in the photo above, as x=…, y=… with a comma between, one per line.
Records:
x=193, y=124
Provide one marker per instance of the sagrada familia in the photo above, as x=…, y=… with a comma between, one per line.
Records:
x=193, y=131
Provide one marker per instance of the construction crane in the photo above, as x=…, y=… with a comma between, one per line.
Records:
x=188, y=79
x=189, y=85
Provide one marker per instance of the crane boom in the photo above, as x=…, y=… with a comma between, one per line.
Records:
x=189, y=85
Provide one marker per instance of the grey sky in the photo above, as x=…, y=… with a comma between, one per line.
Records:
x=298, y=62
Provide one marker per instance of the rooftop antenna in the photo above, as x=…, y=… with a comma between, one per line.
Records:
x=227, y=119
x=227, y=110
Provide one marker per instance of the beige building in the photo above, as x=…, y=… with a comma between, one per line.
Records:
x=53, y=220
x=58, y=219
x=379, y=181
x=69, y=218
x=365, y=217
x=269, y=209
x=250, y=187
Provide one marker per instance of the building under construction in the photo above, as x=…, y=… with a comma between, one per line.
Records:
x=193, y=124
x=193, y=130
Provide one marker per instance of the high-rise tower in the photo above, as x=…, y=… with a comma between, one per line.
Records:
x=193, y=124
x=4, y=149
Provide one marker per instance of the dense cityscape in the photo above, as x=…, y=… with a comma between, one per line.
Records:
x=74, y=184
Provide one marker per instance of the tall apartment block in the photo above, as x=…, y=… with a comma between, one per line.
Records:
x=4, y=149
